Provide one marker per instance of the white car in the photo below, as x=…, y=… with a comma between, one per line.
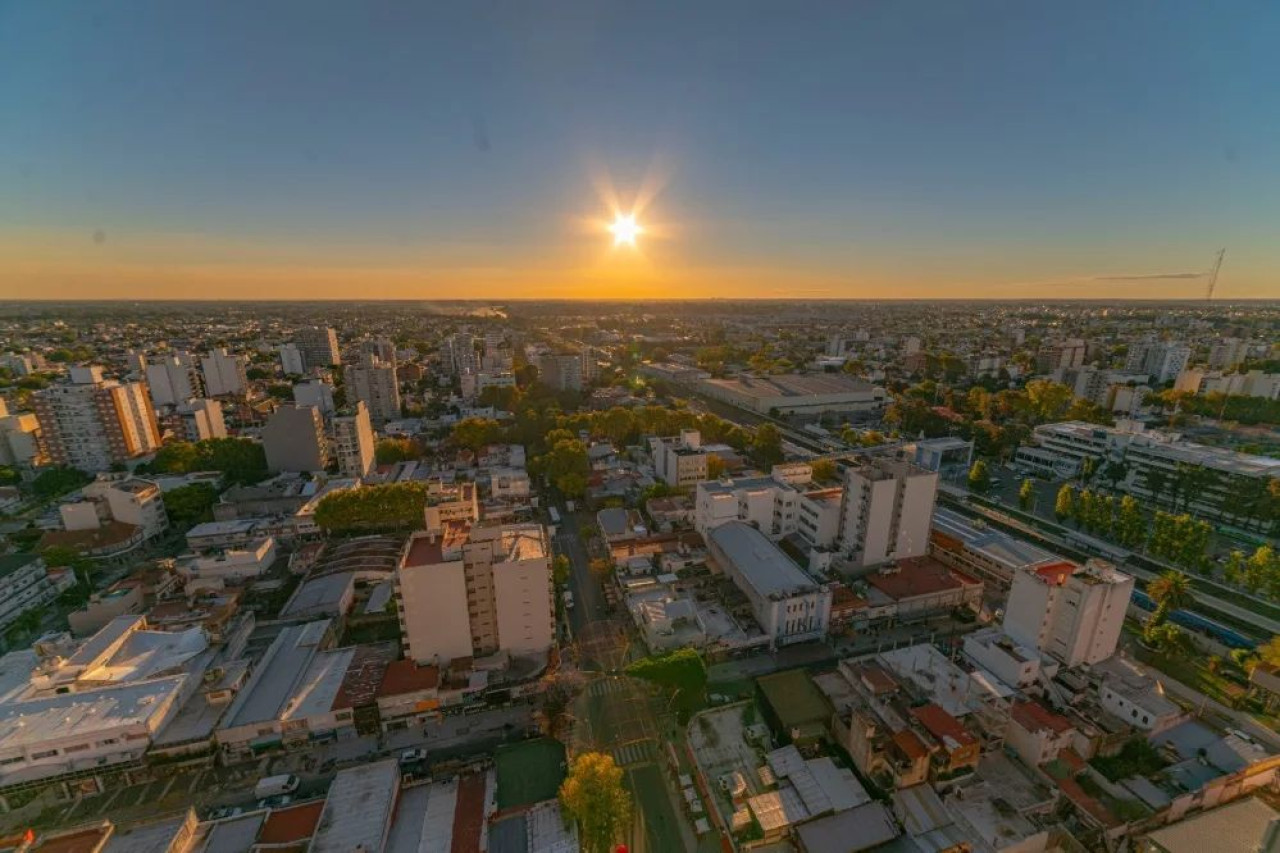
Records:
x=413, y=756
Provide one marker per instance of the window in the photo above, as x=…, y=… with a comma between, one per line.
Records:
x=48, y=753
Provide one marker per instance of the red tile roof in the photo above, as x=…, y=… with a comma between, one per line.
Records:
x=943, y=726
x=1035, y=717
x=297, y=823
x=918, y=576
x=910, y=744
x=405, y=676
x=468, y=814
x=1056, y=573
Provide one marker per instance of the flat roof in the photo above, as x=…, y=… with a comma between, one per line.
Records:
x=862, y=828
x=795, y=698
x=993, y=544
x=794, y=385
x=1239, y=826
x=320, y=596
x=761, y=564
x=918, y=576
x=358, y=809
x=272, y=683
x=34, y=721
x=235, y=835
x=296, y=823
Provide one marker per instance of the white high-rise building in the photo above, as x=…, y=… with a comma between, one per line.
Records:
x=887, y=511
x=374, y=383
x=1228, y=352
x=353, y=442
x=319, y=347
x=1161, y=360
x=225, y=374
x=472, y=591
x=202, y=419
x=91, y=423
x=1071, y=612
x=172, y=380
x=291, y=362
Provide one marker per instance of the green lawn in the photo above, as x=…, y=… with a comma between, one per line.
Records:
x=529, y=772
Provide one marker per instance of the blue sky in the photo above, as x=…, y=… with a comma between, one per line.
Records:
x=849, y=149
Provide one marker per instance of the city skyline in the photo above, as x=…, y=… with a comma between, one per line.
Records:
x=860, y=152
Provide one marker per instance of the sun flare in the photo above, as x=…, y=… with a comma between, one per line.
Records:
x=625, y=230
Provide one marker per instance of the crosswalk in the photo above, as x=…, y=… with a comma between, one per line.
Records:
x=638, y=752
x=605, y=686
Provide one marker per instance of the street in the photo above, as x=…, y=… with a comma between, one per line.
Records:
x=615, y=714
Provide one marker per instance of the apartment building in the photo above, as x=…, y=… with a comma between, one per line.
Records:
x=1255, y=383
x=472, y=591
x=318, y=346
x=789, y=605
x=564, y=372
x=353, y=444
x=93, y=423
x=291, y=360
x=294, y=440
x=202, y=419
x=458, y=352
x=1228, y=352
x=1148, y=457
x=225, y=374
x=1161, y=360
x=886, y=512
x=24, y=585
x=173, y=379
x=1060, y=354
x=680, y=460
x=374, y=383
x=20, y=439
x=1071, y=612
x=133, y=501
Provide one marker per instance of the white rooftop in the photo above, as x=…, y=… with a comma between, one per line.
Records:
x=35, y=721
x=759, y=562
x=357, y=812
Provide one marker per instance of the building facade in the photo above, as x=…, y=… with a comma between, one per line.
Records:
x=91, y=423
x=294, y=440
x=374, y=383
x=1071, y=612
x=353, y=442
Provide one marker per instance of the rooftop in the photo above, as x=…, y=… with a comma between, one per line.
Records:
x=271, y=685
x=358, y=809
x=794, y=385
x=10, y=563
x=918, y=576
x=291, y=825
x=34, y=721
x=1238, y=827
x=995, y=545
x=760, y=563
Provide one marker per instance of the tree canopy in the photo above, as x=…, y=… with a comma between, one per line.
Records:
x=388, y=507
x=594, y=796
x=240, y=460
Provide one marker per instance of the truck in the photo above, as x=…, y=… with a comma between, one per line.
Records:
x=274, y=786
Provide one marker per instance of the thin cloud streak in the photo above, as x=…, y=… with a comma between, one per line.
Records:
x=1155, y=276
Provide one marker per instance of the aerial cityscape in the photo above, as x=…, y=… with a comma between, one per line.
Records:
x=616, y=427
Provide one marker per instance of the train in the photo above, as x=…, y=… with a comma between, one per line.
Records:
x=1199, y=624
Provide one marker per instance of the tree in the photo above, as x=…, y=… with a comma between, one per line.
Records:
x=1269, y=652
x=475, y=433
x=824, y=470
x=553, y=707
x=979, y=477
x=1027, y=495
x=682, y=670
x=392, y=450
x=387, y=507
x=766, y=446
x=567, y=466
x=1170, y=591
x=560, y=569
x=600, y=567
x=1048, y=400
x=1064, y=507
x=190, y=505
x=715, y=467
x=593, y=795
x=57, y=481
x=1130, y=525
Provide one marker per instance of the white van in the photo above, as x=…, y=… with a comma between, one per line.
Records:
x=274, y=786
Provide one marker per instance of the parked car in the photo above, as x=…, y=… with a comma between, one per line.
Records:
x=413, y=756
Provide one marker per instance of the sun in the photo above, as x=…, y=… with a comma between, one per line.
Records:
x=625, y=229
